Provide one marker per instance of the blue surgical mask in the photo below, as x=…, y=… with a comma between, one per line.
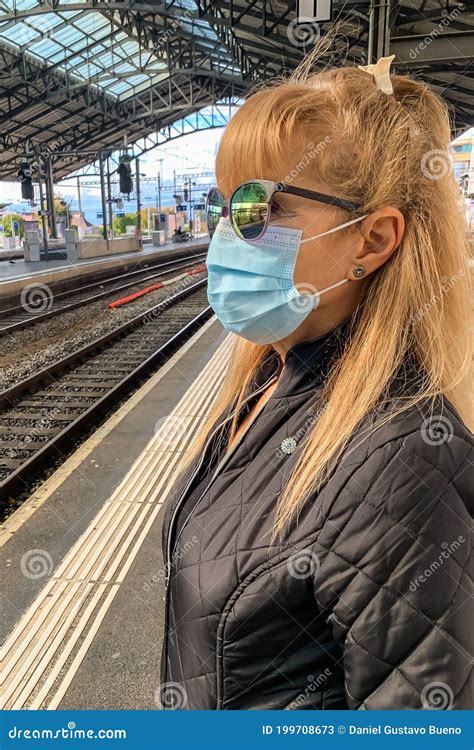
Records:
x=250, y=284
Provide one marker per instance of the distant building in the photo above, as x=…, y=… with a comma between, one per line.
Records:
x=84, y=227
x=462, y=154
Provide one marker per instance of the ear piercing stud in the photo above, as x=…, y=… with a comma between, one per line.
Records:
x=358, y=271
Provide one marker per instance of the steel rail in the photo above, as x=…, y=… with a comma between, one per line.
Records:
x=32, y=319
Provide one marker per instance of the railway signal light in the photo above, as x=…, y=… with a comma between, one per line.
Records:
x=24, y=176
x=125, y=175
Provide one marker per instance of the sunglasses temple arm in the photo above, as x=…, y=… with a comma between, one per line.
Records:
x=331, y=200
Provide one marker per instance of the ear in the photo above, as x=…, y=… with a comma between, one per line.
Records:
x=381, y=231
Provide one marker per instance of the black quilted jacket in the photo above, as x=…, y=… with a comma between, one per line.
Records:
x=365, y=605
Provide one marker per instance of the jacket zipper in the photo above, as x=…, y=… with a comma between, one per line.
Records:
x=183, y=494
x=221, y=463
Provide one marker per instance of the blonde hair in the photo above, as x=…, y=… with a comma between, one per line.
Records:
x=379, y=150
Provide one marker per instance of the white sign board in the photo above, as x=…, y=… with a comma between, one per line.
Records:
x=314, y=10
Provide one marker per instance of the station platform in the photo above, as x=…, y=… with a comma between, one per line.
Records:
x=80, y=560
x=13, y=277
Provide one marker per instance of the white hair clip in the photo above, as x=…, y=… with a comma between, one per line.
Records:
x=381, y=73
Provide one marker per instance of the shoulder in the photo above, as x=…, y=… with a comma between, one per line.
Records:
x=409, y=465
x=400, y=499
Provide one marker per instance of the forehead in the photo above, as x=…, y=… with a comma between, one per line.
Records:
x=291, y=158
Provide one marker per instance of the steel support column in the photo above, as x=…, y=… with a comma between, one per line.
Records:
x=379, y=30
x=44, y=224
x=50, y=198
x=139, y=216
x=105, y=234
x=109, y=200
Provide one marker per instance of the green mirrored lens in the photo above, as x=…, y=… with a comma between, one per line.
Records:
x=215, y=203
x=249, y=210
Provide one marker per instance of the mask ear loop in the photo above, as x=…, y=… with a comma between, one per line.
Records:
x=333, y=286
x=318, y=294
x=334, y=229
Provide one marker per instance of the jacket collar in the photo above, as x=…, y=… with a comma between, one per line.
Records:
x=306, y=365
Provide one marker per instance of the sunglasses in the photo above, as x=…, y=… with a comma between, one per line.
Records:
x=250, y=206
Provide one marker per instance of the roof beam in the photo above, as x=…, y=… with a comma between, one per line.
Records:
x=206, y=90
x=414, y=50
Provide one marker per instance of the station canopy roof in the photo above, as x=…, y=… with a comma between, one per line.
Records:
x=78, y=76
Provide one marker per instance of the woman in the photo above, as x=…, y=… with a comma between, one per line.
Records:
x=316, y=547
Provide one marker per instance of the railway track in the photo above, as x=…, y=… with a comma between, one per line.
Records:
x=40, y=302
x=45, y=414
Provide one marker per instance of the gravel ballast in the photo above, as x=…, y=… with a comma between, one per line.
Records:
x=27, y=351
